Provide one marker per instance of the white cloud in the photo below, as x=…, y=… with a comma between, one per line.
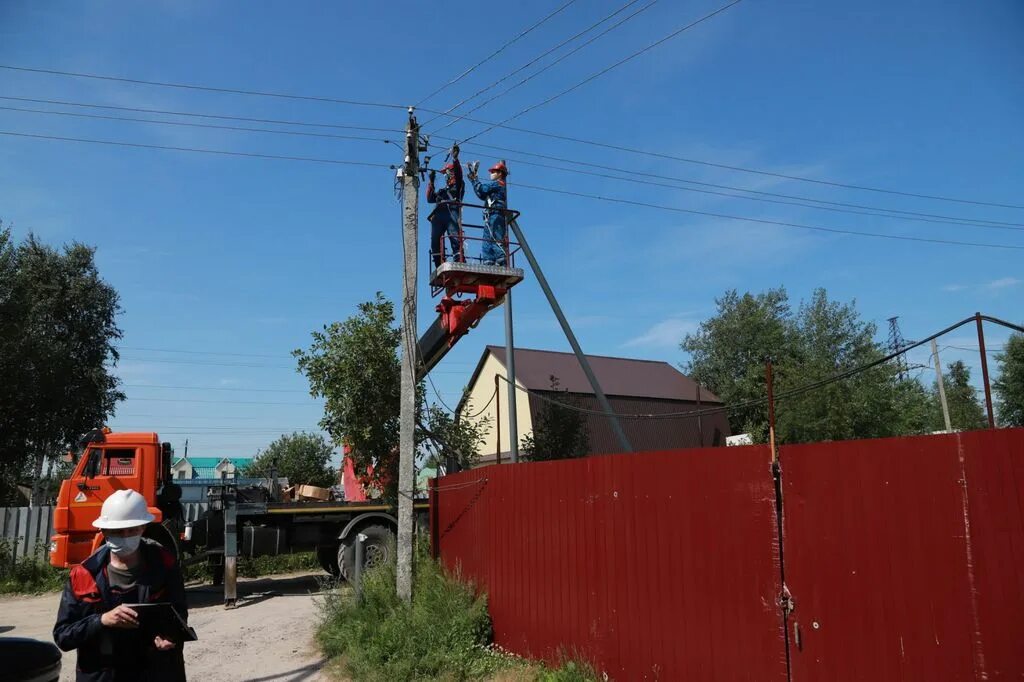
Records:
x=954, y=287
x=665, y=334
x=1003, y=282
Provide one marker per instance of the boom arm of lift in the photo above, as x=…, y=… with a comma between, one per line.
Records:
x=456, y=318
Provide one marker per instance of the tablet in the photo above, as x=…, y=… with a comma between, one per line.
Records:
x=162, y=619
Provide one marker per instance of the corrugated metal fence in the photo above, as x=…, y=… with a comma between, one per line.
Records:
x=904, y=558
x=26, y=531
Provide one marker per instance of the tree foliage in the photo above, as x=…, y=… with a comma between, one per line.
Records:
x=821, y=339
x=56, y=349
x=965, y=410
x=354, y=366
x=558, y=431
x=303, y=458
x=1009, y=385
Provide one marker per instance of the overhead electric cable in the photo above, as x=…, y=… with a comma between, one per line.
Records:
x=501, y=49
x=531, y=62
x=206, y=88
x=545, y=68
x=605, y=70
x=196, y=125
x=829, y=206
x=223, y=117
x=770, y=222
x=198, y=150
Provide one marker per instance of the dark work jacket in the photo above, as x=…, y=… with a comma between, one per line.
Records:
x=113, y=654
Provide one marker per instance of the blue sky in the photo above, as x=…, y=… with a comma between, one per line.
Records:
x=230, y=262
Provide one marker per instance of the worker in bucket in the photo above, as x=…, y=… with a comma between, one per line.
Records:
x=445, y=218
x=94, y=616
x=494, y=194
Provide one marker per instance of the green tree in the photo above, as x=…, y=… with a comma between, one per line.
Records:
x=354, y=366
x=56, y=350
x=727, y=351
x=821, y=339
x=965, y=411
x=303, y=458
x=559, y=432
x=1009, y=385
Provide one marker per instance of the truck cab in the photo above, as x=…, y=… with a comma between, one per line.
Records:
x=109, y=462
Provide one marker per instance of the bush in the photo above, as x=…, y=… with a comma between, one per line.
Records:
x=258, y=567
x=29, y=574
x=444, y=633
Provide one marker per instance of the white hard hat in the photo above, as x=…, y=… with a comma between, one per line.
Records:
x=124, y=509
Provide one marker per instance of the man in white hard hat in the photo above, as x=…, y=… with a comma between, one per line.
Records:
x=128, y=569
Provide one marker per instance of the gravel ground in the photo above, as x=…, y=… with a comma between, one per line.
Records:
x=268, y=637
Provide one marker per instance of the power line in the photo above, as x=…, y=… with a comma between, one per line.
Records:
x=204, y=352
x=531, y=62
x=831, y=206
x=197, y=125
x=937, y=217
x=609, y=68
x=217, y=388
x=501, y=49
x=223, y=117
x=198, y=150
x=763, y=221
x=217, y=402
x=545, y=68
x=205, y=88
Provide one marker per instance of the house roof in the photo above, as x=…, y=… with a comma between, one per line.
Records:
x=626, y=377
x=212, y=462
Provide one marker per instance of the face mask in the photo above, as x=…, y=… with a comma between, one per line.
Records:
x=494, y=176
x=126, y=545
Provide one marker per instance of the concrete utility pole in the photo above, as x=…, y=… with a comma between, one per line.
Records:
x=510, y=357
x=407, y=418
x=942, y=388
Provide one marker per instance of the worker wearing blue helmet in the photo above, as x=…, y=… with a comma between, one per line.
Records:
x=495, y=195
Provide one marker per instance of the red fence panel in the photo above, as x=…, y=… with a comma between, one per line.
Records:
x=903, y=556
x=658, y=565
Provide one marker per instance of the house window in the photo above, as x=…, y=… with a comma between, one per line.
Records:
x=181, y=473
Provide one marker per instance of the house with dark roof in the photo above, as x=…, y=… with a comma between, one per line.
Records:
x=632, y=386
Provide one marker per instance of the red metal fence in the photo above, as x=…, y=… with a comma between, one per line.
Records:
x=904, y=558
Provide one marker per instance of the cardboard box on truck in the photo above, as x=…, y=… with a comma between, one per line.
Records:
x=312, y=492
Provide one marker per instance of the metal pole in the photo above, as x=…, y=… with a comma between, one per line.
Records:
x=942, y=388
x=407, y=417
x=700, y=426
x=510, y=346
x=357, y=572
x=984, y=372
x=497, y=421
x=770, y=381
x=229, y=499
x=584, y=363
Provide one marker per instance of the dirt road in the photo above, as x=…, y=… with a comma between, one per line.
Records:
x=268, y=638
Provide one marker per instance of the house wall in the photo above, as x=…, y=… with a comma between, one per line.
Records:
x=481, y=394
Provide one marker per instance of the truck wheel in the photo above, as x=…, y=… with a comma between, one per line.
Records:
x=378, y=549
x=327, y=555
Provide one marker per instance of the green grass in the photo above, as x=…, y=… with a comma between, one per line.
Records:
x=444, y=634
x=28, y=575
x=260, y=566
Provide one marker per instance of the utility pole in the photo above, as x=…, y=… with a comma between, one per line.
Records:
x=510, y=353
x=942, y=387
x=407, y=418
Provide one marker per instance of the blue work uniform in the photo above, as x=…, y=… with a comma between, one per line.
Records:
x=445, y=218
x=494, y=194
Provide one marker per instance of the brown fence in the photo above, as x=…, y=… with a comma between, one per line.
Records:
x=904, y=558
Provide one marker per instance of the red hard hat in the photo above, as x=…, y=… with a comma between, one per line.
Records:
x=498, y=168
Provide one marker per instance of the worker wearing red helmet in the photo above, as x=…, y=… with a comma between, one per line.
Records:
x=495, y=195
x=445, y=218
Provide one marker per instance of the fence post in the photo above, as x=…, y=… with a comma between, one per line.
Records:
x=769, y=380
x=357, y=570
x=984, y=371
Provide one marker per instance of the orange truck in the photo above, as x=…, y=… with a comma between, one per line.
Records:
x=246, y=521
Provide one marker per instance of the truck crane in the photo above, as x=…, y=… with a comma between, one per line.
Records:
x=254, y=521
